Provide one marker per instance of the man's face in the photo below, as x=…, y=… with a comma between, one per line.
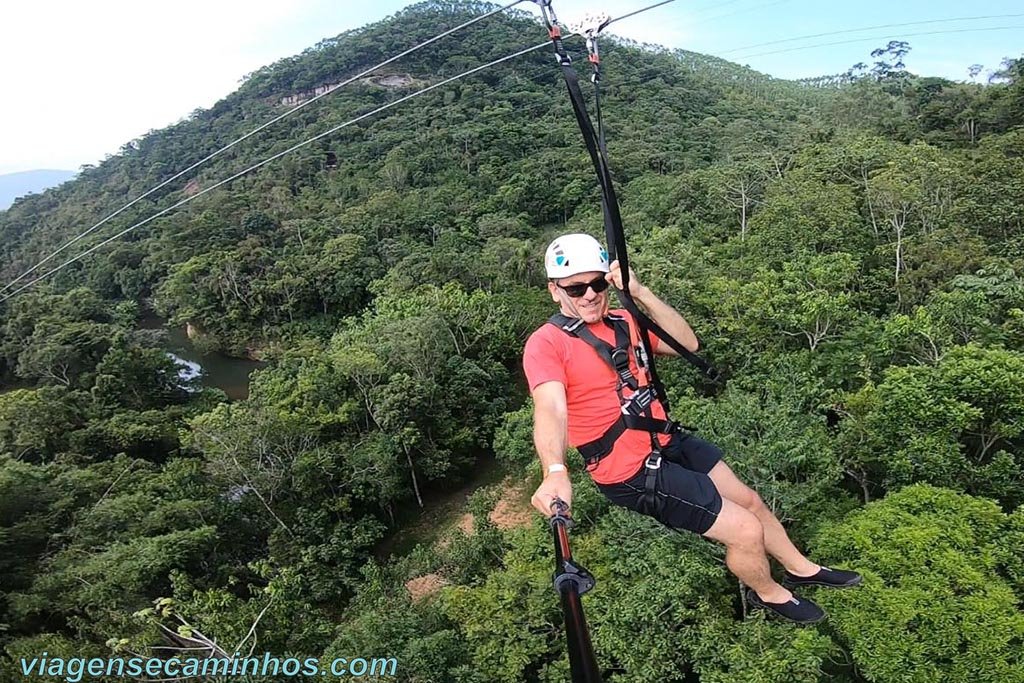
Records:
x=581, y=300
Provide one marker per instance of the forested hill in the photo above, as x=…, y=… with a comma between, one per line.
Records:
x=848, y=248
x=487, y=146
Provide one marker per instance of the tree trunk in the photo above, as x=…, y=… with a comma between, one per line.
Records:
x=897, y=225
x=743, y=219
x=412, y=471
x=867, y=196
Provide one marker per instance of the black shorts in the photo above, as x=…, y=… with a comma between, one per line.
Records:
x=686, y=496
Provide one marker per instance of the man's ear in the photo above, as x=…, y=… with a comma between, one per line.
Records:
x=553, y=290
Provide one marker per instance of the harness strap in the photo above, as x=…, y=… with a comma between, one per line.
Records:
x=636, y=410
x=612, y=218
x=651, y=467
x=617, y=357
x=594, y=451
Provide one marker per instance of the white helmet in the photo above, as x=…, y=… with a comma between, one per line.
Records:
x=575, y=253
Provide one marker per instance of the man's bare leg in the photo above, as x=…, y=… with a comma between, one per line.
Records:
x=743, y=536
x=776, y=540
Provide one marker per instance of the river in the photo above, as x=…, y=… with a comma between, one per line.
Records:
x=230, y=375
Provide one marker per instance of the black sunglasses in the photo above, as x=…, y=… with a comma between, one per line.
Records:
x=579, y=289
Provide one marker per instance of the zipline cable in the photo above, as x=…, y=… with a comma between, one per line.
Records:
x=639, y=11
x=257, y=130
x=712, y=6
x=273, y=158
x=705, y=8
x=868, y=28
x=886, y=37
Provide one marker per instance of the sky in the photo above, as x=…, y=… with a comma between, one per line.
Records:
x=81, y=79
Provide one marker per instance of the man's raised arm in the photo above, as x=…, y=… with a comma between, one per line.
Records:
x=659, y=311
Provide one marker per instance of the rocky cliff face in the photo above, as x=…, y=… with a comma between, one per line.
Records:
x=389, y=81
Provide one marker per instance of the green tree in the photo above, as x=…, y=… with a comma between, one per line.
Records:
x=954, y=424
x=35, y=423
x=932, y=562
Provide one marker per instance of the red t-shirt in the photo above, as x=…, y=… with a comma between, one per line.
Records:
x=551, y=355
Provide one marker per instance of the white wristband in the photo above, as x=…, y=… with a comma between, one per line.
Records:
x=556, y=467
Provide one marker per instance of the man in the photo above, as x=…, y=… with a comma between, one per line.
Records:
x=582, y=388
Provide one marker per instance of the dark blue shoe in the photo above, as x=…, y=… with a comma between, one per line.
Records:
x=796, y=609
x=830, y=578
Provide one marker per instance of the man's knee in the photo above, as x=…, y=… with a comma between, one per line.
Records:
x=749, y=532
x=748, y=499
x=731, y=487
x=754, y=503
x=737, y=526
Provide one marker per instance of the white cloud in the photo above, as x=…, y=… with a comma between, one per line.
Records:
x=81, y=79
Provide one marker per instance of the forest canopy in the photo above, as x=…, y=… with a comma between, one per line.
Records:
x=850, y=250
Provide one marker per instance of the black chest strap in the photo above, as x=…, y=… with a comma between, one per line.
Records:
x=594, y=451
x=616, y=357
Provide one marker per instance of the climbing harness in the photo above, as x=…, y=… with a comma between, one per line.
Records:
x=635, y=409
x=636, y=406
x=571, y=581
